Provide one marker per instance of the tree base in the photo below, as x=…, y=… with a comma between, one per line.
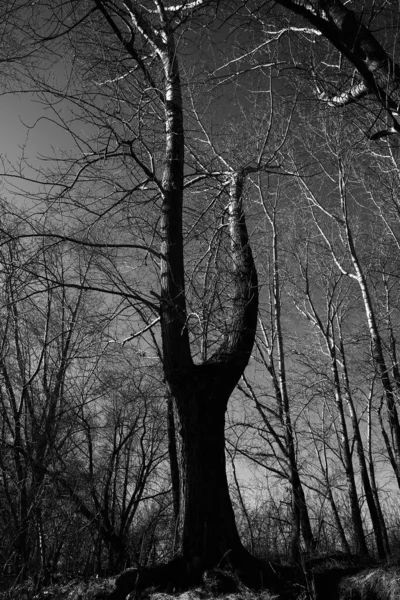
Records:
x=178, y=576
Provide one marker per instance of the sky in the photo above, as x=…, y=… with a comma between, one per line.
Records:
x=26, y=132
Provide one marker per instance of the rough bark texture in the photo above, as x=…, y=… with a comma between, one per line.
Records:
x=209, y=530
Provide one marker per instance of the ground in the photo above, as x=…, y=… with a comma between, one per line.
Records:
x=328, y=583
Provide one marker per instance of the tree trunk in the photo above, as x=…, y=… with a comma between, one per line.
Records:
x=336, y=516
x=359, y=536
x=330, y=498
x=371, y=467
x=328, y=332
x=209, y=532
x=173, y=457
x=369, y=496
x=375, y=336
x=308, y=536
x=277, y=369
x=200, y=392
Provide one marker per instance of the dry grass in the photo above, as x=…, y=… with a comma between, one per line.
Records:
x=90, y=589
x=99, y=589
x=96, y=589
x=199, y=594
x=374, y=584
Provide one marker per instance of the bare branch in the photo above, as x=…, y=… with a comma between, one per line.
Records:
x=356, y=92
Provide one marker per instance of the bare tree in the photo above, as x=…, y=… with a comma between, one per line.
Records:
x=277, y=417
x=132, y=104
x=129, y=193
x=43, y=336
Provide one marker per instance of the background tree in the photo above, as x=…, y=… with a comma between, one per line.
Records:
x=43, y=336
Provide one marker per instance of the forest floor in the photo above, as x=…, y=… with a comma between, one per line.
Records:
x=99, y=589
x=379, y=583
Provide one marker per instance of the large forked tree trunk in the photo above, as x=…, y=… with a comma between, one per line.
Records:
x=200, y=393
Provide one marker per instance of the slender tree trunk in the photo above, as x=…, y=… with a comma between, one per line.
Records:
x=284, y=403
x=369, y=496
x=243, y=506
x=300, y=517
x=338, y=522
x=331, y=499
x=328, y=333
x=375, y=337
x=305, y=523
x=373, y=479
x=359, y=536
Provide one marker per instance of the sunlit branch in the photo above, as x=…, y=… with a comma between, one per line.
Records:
x=185, y=5
x=360, y=90
x=138, y=333
x=308, y=30
x=225, y=78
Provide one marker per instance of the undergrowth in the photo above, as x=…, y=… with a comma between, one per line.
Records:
x=330, y=581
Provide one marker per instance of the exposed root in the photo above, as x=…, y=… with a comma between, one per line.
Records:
x=177, y=575
x=327, y=578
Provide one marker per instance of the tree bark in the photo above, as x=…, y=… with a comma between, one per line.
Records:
x=369, y=496
x=209, y=529
x=375, y=336
x=372, y=477
x=201, y=395
x=173, y=458
x=201, y=392
x=277, y=370
x=359, y=536
x=328, y=333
